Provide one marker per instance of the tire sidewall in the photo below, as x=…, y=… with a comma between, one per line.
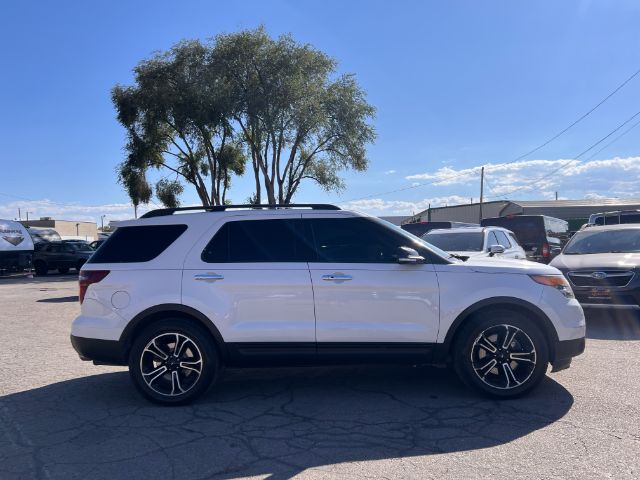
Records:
x=210, y=361
x=464, y=344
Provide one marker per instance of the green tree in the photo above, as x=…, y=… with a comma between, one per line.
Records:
x=200, y=110
x=176, y=118
x=298, y=120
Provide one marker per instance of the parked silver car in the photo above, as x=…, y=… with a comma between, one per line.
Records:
x=477, y=242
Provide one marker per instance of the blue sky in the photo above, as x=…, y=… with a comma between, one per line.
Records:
x=456, y=85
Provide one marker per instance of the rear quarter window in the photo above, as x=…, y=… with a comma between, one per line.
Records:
x=137, y=244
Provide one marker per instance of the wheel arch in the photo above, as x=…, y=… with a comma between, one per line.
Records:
x=505, y=303
x=157, y=312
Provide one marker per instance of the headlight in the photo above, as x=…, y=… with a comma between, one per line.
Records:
x=556, y=281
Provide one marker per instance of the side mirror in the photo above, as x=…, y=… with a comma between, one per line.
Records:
x=409, y=255
x=495, y=250
x=556, y=251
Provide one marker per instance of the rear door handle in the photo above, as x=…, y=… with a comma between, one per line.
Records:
x=336, y=277
x=208, y=276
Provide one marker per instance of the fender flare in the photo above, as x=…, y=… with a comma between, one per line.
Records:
x=173, y=308
x=546, y=325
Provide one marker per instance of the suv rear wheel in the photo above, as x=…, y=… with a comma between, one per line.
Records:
x=502, y=353
x=173, y=362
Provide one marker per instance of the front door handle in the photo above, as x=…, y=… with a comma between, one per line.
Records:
x=336, y=277
x=208, y=276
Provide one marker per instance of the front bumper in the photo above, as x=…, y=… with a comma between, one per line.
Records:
x=101, y=352
x=564, y=351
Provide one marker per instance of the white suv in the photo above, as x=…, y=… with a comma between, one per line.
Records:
x=176, y=294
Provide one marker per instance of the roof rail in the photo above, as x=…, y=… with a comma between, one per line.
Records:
x=161, y=212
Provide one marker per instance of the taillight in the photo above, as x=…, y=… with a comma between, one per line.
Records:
x=545, y=249
x=87, y=277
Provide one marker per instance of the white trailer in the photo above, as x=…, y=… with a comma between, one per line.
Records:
x=16, y=247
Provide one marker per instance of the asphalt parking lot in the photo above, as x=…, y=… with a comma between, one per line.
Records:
x=64, y=418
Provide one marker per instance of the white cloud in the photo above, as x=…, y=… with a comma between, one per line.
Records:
x=609, y=178
x=88, y=213
x=389, y=172
x=595, y=196
x=378, y=206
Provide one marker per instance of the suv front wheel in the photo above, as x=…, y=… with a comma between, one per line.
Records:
x=172, y=362
x=502, y=353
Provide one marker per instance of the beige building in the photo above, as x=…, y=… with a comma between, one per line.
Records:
x=67, y=229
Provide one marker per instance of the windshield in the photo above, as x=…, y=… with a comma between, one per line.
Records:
x=609, y=241
x=457, y=242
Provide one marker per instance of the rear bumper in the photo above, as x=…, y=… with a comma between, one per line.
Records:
x=104, y=352
x=564, y=351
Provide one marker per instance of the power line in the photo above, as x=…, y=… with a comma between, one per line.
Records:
x=574, y=159
x=579, y=119
x=615, y=140
x=544, y=144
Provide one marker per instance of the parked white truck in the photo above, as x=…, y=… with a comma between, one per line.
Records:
x=16, y=247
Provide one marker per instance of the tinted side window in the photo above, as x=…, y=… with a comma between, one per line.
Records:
x=502, y=239
x=259, y=241
x=355, y=240
x=137, y=244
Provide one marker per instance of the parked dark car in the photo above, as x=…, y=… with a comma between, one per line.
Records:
x=541, y=237
x=602, y=264
x=61, y=256
x=419, y=229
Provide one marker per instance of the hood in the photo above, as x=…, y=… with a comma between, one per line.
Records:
x=597, y=261
x=509, y=265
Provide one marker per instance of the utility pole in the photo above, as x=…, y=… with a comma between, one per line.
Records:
x=19, y=214
x=556, y=196
x=28, y=215
x=481, y=193
x=102, y=223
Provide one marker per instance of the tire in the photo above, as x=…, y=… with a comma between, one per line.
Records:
x=487, y=371
x=63, y=270
x=177, y=383
x=41, y=268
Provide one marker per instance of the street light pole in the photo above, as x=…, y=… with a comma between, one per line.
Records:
x=102, y=223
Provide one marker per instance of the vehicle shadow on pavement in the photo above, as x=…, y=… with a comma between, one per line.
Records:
x=613, y=325
x=70, y=298
x=275, y=422
x=26, y=280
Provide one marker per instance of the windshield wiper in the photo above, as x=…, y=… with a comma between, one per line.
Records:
x=459, y=257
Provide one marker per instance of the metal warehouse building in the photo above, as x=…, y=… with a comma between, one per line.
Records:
x=576, y=212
